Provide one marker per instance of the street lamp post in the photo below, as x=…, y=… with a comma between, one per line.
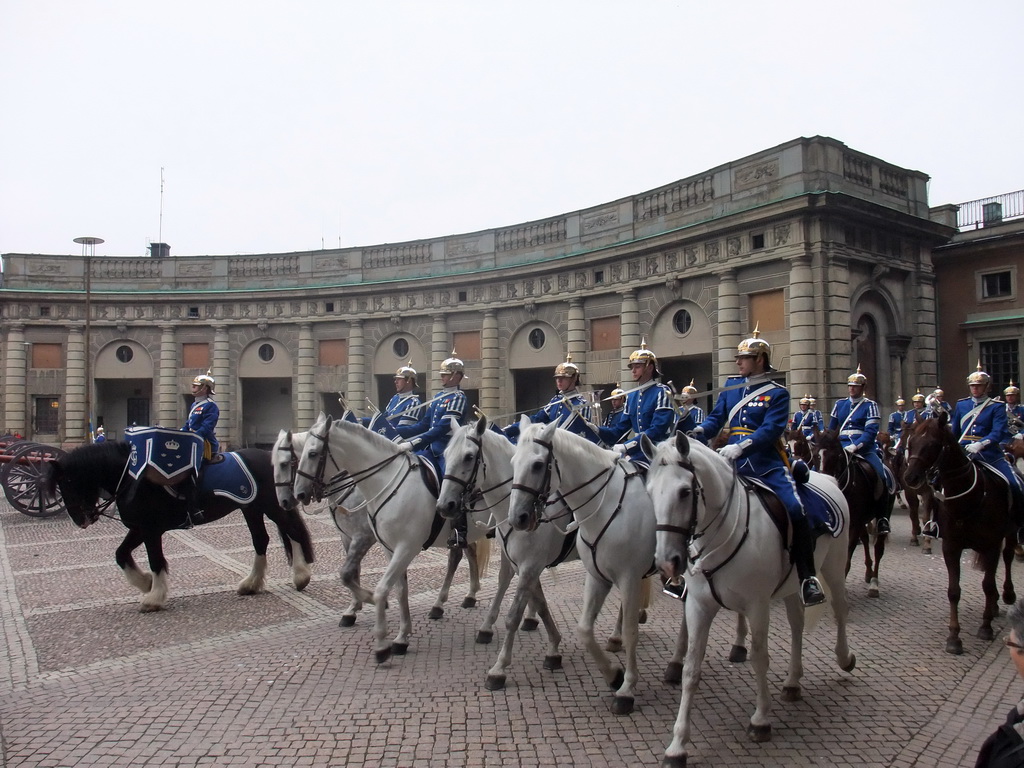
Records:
x=88, y=251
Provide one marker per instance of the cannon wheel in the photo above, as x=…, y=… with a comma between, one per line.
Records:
x=21, y=478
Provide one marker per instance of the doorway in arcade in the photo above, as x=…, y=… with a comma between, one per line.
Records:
x=123, y=403
x=266, y=410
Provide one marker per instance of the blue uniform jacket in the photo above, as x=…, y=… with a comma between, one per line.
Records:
x=989, y=427
x=805, y=421
x=860, y=429
x=896, y=421
x=571, y=407
x=689, y=419
x=202, y=419
x=437, y=422
x=397, y=406
x=648, y=411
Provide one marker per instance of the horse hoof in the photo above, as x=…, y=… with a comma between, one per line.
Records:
x=435, y=613
x=484, y=637
x=759, y=733
x=873, y=592
x=914, y=542
x=495, y=682
x=791, y=693
x=955, y=647
x=620, y=678
x=679, y=761
x=382, y=655
x=738, y=654
x=643, y=616
x=1019, y=557
x=529, y=625
x=852, y=665
x=469, y=602
x=614, y=645
x=553, y=661
x=347, y=621
x=301, y=583
x=400, y=649
x=986, y=634
x=149, y=608
x=622, y=705
x=673, y=673
x=1009, y=598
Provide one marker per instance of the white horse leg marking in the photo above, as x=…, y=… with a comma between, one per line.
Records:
x=141, y=581
x=301, y=572
x=698, y=621
x=757, y=617
x=256, y=581
x=154, y=599
x=485, y=632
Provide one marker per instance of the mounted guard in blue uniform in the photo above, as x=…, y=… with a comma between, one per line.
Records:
x=1014, y=413
x=897, y=420
x=857, y=420
x=573, y=408
x=755, y=410
x=690, y=414
x=648, y=411
x=438, y=420
x=806, y=419
x=617, y=399
x=979, y=423
x=402, y=410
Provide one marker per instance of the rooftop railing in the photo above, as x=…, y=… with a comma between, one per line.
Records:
x=990, y=210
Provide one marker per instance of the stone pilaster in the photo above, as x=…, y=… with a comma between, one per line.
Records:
x=630, y=330
x=356, y=393
x=15, y=415
x=925, y=357
x=75, y=418
x=439, y=351
x=490, y=387
x=168, y=404
x=729, y=332
x=224, y=376
x=305, y=395
x=803, y=375
x=838, y=343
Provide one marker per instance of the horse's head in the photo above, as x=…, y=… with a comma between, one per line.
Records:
x=285, y=459
x=532, y=469
x=463, y=460
x=309, y=471
x=926, y=443
x=798, y=445
x=77, y=479
x=674, y=491
x=831, y=456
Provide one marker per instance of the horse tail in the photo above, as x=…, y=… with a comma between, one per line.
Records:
x=294, y=529
x=483, y=556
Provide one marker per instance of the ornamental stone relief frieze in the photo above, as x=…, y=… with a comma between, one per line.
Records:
x=194, y=270
x=755, y=174
x=780, y=234
x=733, y=246
x=599, y=220
x=711, y=251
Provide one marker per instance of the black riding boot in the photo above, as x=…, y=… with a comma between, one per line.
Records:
x=457, y=539
x=802, y=556
x=192, y=510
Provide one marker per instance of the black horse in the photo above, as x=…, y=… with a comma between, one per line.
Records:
x=90, y=472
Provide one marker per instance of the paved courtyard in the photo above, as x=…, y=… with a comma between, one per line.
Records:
x=271, y=680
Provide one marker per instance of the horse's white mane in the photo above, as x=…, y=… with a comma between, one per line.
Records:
x=378, y=441
x=572, y=446
x=489, y=437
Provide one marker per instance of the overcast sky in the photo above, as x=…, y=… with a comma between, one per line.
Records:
x=284, y=126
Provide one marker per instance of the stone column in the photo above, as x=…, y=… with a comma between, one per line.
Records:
x=490, y=387
x=356, y=394
x=630, y=331
x=227, y=427
x=305, y=394
x=168, y=404
x=75, y=384
x=838, y=323
x=729, y=331
x=924, y=373
x=803, y=376
x=15, y=416
x=577, y=331
x=439, y=352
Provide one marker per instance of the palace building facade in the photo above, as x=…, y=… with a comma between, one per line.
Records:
x=826, y=249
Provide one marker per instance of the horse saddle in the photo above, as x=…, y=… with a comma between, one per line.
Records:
x=883, y=485
x=822, y=513
x=170, y=453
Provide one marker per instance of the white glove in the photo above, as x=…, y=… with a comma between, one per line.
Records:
x=696, y=432
x=619, y=448
x=1019, y=436
x=406, y=446
x=850, y=449
x=977, y=447
x=730, y=452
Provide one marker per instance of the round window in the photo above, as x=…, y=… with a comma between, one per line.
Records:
x=682, y=321
x=400, y=348
x=124, y=353
x=266, y=352
x=537, y=338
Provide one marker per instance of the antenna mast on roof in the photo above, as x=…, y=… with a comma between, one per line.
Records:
x=160, y=230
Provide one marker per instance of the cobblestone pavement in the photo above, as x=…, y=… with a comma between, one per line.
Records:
x=222, y=680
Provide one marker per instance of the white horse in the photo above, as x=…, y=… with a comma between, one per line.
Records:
x=400, y=510
x=554, y=469
x=478, y=462
x=717, y=532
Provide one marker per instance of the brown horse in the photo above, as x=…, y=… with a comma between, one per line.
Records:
x=919, y=501
x=802, y=448
x=975, y=514
x=1015, y=455
x=858, y=483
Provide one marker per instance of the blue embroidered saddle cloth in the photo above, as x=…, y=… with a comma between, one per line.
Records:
x=170, y=452
x=822, y=514
x=226, y=475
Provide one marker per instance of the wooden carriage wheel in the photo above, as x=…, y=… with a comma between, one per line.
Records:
x=21, y=478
